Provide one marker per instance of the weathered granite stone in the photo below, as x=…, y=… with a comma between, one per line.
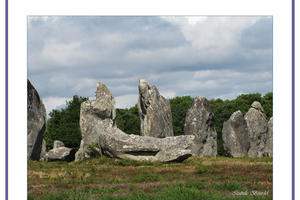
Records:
x=235, y=136
x=100, y=130
x=121, y=145
x=58, y=144
x=200, y=122
x=269, y=143
x=103, y=108
x=154, y=111
x=60, y=152
x=36, y=123
x=257, y=130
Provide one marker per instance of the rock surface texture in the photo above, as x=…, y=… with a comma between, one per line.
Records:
x=36, y=123
x=97, y=124
x=269, y=143
x=235, y=136
x=95, y=113
x=57, y=144
x=200, y=122
x=60, y=152
x=257, y=129
x=154, y=111
x=44, y=151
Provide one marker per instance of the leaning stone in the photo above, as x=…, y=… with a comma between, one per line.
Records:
x=154, y=111
x=36, y=123
x=235, y=136
x=257, y=130
x=200, y=122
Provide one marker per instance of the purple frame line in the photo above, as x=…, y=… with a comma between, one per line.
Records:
x=6, y=98
x=293, y=99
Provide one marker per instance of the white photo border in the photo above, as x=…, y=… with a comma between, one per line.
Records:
x=281, y=10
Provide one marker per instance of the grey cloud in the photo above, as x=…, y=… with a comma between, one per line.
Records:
x=68, y=55
x=259, y=35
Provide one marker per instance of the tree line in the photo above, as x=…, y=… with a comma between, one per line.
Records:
x=63, y=124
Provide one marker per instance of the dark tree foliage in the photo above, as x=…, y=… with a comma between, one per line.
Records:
x=179, y=108
x=128, y=120
x=267, y=103
x=63, y=124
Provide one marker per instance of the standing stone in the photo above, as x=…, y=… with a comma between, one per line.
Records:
x=97, y=125
x=154, y=111
x=257, y=129
x=104, y=108
x=200, y=122
x=269, y=144
x=36, y=123
x=60, y=152
x=235, y=135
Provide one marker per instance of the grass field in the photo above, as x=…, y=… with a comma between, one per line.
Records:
x=217, y=178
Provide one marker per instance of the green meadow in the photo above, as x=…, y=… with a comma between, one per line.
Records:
x=219, y=178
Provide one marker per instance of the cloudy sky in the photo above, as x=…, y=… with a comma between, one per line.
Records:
x=213, y=56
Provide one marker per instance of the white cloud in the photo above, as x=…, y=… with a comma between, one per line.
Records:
x=63, y=54
x=54, y=102
x=126, y=101
x=83, y=83
x=213, y=36
x=168, y=94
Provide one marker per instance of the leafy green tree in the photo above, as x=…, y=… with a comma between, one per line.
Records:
x=128, y=120
x=267, y=103
x=244, y=101
x=179, y=108
x=63, y=124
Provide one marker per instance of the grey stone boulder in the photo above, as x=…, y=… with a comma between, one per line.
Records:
x=154, y=112
x=257, y=129
x=235, y=136
x=268, y=151
x=60, y=153
x=100, y=130
x=57, y=144
x=36, y=123
x=200, y=122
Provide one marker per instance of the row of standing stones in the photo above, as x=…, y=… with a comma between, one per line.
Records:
x=243, y=136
